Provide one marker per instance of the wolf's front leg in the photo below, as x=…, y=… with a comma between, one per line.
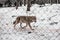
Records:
x=30, y=26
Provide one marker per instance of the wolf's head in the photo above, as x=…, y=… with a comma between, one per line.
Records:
x=32, y=19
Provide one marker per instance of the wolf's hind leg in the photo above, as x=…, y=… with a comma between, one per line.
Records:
x=20, y=24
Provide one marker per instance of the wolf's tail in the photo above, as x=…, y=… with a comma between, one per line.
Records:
x=14, y=22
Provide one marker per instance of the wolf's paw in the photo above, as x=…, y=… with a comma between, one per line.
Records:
x=29, y=32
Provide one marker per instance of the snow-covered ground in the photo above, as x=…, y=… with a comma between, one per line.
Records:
x=47, y=26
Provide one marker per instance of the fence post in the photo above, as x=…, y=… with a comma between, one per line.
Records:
x=57, y=1
x=28, y=5
x=51, y=2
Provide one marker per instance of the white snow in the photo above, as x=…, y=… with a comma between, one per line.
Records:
x=47, y=26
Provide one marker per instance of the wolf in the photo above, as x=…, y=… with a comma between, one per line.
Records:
x=25, y=19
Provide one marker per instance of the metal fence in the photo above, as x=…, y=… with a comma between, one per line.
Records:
x=41, y=32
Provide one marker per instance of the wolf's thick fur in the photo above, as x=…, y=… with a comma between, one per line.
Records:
x=24, y=19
